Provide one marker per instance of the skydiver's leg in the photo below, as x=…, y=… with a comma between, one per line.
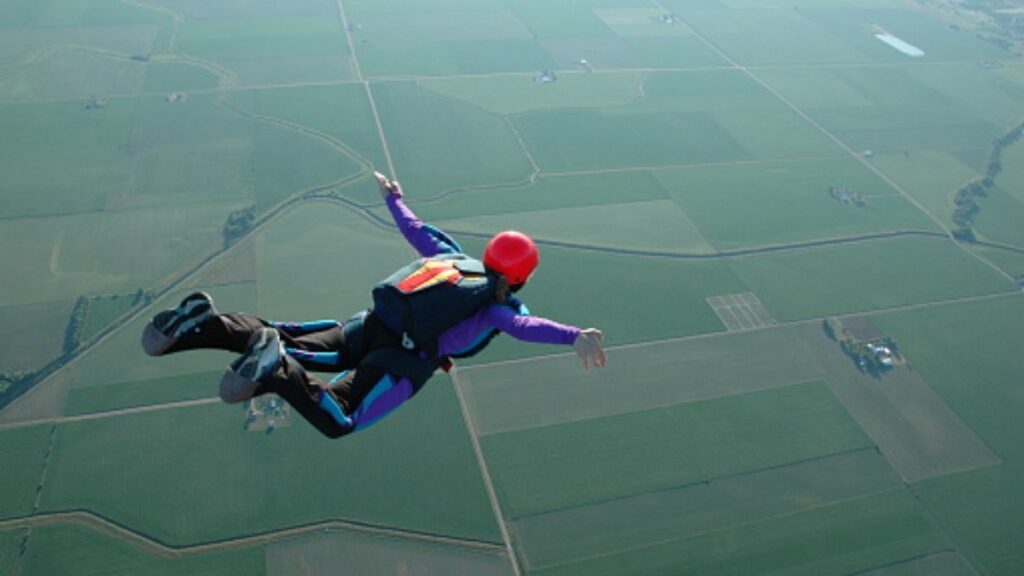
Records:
x=169, y=327
x=318, y=345
x=328, y=345
x=306, y=394
x=374, y=392
x=195, y=324
x=317, y=334
x=264, y=368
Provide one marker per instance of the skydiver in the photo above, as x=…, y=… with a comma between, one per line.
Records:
x=380, y=361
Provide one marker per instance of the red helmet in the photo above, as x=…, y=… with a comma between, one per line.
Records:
x=512, y=254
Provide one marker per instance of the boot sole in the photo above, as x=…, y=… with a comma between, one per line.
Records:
x=192, y=312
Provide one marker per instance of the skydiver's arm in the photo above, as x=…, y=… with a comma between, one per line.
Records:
x=426, y=239
x=530, y=328
x=587, y=343
x=467, y=333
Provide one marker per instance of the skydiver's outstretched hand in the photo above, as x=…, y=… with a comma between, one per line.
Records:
x=387, y=186
x=588, y=348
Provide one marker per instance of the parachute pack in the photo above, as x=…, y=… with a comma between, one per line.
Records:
x=422, y=300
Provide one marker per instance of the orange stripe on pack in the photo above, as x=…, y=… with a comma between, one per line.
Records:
x=429, y=274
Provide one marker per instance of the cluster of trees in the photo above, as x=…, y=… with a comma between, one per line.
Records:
x=80, y=314
x=8, y=379
x=143, y=297
x=238, y=223
x=13, y=383
x=76, y=323
x=967, y=197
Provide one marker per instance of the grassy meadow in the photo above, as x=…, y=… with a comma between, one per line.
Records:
x=662, y=154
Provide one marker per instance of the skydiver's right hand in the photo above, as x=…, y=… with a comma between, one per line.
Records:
x=387, y=186
x=588, y=348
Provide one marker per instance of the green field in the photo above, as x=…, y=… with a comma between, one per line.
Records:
x=440, y=143
x=741, y=38
x=618, y=526
x=10, y=545
x=94, y=141
x=544, y=193
x=981, y=387
x=101, y=397
x=252, y=483
x=930, y=177
x=377, y=555
x=512, y=94
x=467, y=41
x=659, y=44
x=83, y=254
x=175, y=77
x=1000, y=217
x=74, y=550
x=884, y=110
x=940, y=42
x=658, y=225
x=864, y=276
x=670, y=157
x=985, y=92
x=1003, y=207
x=565, y=140
x=27, y=447
x=335, y=283
x=70, y=74
x=34, y=334
x=790, y=203
x=73, y=49
x=838, y=539
x=544, y=469
x=979, y=508
x=118, y=374
x=1012, y=177
x=342, y=112
x=264, y=43
x=1010, y=261
x=680, y=120
x=103, y=310
x=540, y=392
x=25, y=14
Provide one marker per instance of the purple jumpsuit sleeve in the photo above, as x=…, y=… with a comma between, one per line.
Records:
x=415, y=232
x=519, y=326
x=530, y=328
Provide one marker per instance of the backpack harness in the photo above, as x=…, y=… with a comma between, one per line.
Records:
x=423, y=299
